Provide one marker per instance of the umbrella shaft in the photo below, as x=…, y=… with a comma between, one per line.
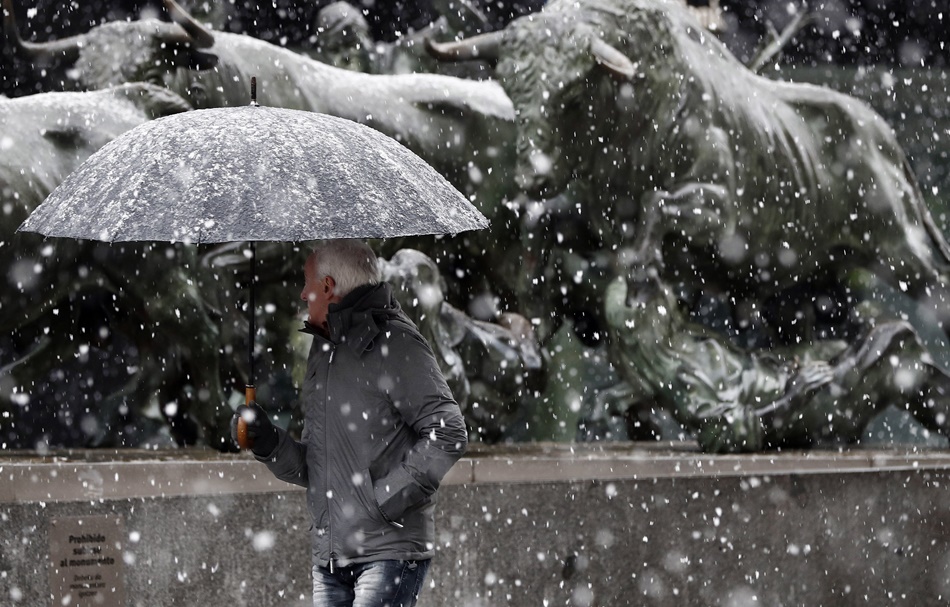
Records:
x=251, y=313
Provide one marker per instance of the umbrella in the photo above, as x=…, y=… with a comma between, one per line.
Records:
x=252, y=173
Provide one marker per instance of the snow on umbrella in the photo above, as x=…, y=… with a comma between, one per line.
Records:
x=248, y=174
x=252, y=173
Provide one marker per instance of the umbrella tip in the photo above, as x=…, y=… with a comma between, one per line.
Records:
x=254, y=90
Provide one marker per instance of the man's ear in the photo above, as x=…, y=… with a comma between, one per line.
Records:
x=328, y=284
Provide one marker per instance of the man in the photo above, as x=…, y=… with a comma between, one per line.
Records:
x=381, y=430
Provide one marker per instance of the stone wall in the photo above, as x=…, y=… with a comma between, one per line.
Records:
x=538, y=525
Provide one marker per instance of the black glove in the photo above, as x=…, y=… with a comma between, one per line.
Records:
x=261, y=432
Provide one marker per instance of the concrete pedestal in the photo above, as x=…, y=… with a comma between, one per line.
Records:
x=539, y=525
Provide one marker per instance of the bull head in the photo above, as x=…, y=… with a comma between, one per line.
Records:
x=135, y=48
x=543, y=67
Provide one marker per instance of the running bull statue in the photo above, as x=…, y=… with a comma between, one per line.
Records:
x=698, y=170
x=755, y=184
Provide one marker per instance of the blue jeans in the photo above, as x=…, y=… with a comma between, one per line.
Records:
x=375, y=584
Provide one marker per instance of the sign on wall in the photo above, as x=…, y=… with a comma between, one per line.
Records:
x=86, y=567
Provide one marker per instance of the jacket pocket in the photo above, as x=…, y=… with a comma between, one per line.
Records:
x=368, y=498
x=397, y=495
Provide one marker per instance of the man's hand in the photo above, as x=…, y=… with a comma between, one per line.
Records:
x=261, y=432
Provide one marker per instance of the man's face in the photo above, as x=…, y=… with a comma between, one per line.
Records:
x=317, y=293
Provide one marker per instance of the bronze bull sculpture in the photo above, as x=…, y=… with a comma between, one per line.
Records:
x=683, y=164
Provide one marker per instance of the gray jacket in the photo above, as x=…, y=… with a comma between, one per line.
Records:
x=380, y=431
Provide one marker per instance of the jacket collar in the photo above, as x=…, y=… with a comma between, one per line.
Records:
x=357, y=319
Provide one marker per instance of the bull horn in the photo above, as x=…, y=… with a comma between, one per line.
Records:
x=67, y=48
x=612, y=60
x=483, y=46
x=201, y=37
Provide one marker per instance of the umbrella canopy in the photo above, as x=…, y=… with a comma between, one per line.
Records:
x=252, y=173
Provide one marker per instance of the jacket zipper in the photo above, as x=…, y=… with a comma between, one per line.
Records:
x=326, y=445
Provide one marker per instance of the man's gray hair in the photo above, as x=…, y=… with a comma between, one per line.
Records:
x=351, y=263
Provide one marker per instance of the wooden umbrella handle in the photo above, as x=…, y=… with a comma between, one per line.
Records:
x=244, y=441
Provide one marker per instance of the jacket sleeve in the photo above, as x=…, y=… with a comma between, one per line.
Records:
x=288, y=460
x=422, y=397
